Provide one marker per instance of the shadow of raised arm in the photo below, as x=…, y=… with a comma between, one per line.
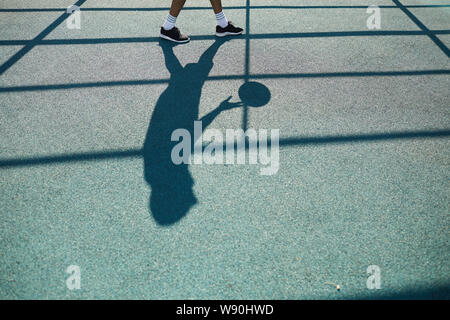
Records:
x=171, y=60
x=205, y=63
x=224, y=105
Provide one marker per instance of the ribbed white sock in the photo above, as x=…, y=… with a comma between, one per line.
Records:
x=221, y=19
x=170, y=22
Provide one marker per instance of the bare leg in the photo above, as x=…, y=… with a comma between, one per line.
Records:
x=176, y=7
x=168, y=30
x=217, y=5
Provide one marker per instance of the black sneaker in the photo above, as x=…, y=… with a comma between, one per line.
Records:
x=174, y=35
x=229, y=30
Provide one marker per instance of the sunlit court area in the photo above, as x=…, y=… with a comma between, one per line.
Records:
x=307, y=158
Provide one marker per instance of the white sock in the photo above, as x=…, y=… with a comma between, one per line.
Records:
x=221, y=19
x=170, y=22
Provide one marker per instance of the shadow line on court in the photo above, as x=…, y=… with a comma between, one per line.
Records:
x=257, y=36
x=119, y=83
x=284, y=142
x=430, y=34
x=30, y=45
x=225, y=7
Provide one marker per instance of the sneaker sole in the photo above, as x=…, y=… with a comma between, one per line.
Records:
x=224, y=34
x=173, y=40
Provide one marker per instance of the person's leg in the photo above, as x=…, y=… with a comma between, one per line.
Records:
x=168, y=30
x=175, y=9
x=218, y=10
x=224, y=28
x=216, y=5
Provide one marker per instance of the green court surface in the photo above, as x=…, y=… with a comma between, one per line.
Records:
x=85, y=172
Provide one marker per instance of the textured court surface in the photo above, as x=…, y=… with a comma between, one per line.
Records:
x=364, y=124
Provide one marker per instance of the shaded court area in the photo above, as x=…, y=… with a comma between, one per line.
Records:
x=86, y=176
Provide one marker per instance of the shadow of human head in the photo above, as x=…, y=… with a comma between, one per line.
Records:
x=177, y=107
x=172, y=195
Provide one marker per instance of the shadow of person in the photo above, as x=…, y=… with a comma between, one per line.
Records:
x=171, y=185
